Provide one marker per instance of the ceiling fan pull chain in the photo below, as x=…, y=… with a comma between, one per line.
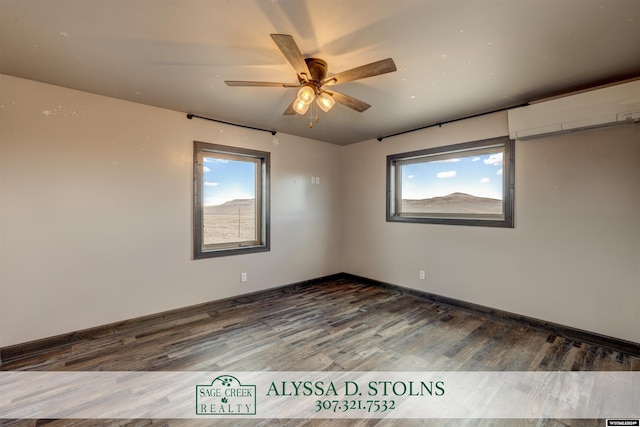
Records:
x=314, y=112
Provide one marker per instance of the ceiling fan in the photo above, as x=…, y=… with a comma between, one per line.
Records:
x=313, y=80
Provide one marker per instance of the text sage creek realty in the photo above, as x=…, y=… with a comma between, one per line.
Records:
x=351, y=388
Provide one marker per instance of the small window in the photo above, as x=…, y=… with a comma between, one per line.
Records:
x=463, y=184
x=231, y=200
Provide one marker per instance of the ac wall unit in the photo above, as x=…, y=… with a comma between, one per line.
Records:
x=607, y=106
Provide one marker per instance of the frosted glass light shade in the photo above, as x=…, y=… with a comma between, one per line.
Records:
x=300, y=107
x=325, y=102
x=306, y=95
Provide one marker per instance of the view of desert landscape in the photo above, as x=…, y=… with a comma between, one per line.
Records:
x=454, y=203
x=233, y=221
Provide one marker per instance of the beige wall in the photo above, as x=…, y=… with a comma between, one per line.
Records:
x=95, y=214
x=573, y=258
x=95, y=219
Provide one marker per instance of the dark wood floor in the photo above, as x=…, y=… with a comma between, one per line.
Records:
x=341, y=325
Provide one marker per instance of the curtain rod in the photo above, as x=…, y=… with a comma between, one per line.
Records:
x=439, y=124
x=191, y=116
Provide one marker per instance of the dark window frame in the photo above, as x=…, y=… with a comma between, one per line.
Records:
x=508, y=185
x=262, y=201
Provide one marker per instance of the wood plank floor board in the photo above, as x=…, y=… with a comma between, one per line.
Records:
x=554, y=357
x=441, y=337
x=476, y=360
x=339, y=325
x=509, y=346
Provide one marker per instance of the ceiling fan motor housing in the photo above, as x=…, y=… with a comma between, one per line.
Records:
x=317, y=69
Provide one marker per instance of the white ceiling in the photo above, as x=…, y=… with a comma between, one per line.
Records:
x=454, y=58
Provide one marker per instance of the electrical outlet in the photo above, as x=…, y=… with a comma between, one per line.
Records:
x=243, y=277
x=422, y=275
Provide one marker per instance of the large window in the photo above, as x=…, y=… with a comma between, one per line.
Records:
x=463, y=184
x=231, y=200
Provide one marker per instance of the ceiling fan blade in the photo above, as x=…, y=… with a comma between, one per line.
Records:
x=348, y=101
x=374, y=69
x=260, y=84
x=290, y=50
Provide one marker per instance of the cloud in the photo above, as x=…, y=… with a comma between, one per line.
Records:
x=210, y=184
x=475, y=159
x=485, y=180
x=447, y=174
x=446, y=161
x=499, y=172
x=494, y=159
x=410, y=177
x=213, y=159
x=206, y=169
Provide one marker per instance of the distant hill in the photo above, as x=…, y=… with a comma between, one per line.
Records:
x=246, y=206
x=453, y=203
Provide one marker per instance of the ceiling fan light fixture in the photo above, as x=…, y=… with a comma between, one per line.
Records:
x=300, y=107
x=325, y=101
x=311, y=76
x=306, y=95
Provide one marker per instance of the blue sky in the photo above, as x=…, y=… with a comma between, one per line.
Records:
x=477, y=175
x=481, y=176
x=226, y=180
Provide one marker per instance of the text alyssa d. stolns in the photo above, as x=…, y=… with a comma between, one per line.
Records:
x=352, y=388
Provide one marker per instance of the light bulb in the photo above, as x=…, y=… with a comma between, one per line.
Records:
x=300, y=107
x=306, y=95
x=325, y=101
